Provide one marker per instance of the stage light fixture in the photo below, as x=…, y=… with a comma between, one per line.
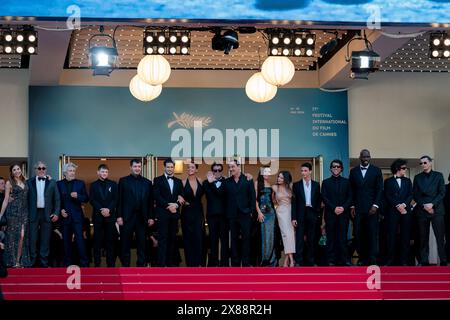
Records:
x=103, y=59
x=170, y=42
x=363, y=63
x=226, y=41
x=14, y=40
x=294, y=43
x=439, y=45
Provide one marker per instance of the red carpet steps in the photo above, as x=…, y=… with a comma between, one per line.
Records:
x=312, y=283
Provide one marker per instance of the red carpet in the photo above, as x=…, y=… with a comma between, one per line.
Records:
x=313, y=283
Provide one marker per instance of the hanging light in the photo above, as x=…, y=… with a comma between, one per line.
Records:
x=258, y=90
x=154, y=69
x=143, y=91
x=278, y=70
x=178, y=167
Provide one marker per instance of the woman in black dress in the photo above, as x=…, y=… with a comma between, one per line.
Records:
x=15, y=207
x=192, y=219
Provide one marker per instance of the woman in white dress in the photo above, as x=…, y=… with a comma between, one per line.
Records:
x=283, y=195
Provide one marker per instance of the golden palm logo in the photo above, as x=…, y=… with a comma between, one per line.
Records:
x=186, y=120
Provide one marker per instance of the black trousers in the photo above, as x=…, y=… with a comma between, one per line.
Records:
x=307, y=227
x=398, y=227
x=366, y=230
x=74, y=229
x=192, y=227
x=337, y=228
x=167, y=233
x=219, y=229
x=447, y=234
x=240, y=227
x=138, y=226
x=438, y=224
x=104, y=235
x=40, y=231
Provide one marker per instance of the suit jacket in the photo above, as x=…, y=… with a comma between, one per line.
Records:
x=394, y=195
x=299, y=203
x=163, y=196
x=336, y=192
x=429, y=190
x=215, y=197
x=367, y=191
x=101, y=197
x=240, y=197
x=129, y=203
x=52, y=199
x=73, y=206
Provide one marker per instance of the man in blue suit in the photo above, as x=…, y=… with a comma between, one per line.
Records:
x=73, y=194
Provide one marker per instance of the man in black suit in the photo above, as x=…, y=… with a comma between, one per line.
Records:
x=103, y=198
x=306, y=212
x=429, y=193
x=135, y=212
x=337, y=197
x=240, y=198
x=366, y=181
x=73, y=194
x=398, y=195
x=43, y=208
x=168, y=194
x=216, y=217
x=447, y=216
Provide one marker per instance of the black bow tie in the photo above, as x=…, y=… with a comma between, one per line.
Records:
x=362, y=168
x=168, y=178
x=41, y=179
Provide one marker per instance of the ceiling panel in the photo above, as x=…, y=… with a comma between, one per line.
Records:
x=251, y=53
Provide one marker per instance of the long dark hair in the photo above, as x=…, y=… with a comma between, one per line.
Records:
x=11, y=176
x=287, y=177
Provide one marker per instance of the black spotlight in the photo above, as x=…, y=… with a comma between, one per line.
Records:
x=226, y=41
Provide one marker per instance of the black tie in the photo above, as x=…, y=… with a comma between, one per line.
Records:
x=362, y=168
x=41, y=179
x=168, y=178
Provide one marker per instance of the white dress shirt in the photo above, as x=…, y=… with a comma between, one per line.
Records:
x=363, y=172
x=399, y=181
x=307, y=189
x=170, y=181
x=40, y=188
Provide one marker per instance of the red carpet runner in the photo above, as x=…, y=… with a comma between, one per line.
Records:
x=316, y=283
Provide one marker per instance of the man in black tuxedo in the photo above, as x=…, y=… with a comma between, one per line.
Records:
x=216, y=217
x=366, y=181
x=43, y=208
x=337, y=197
x=168, y=194
x=73, y=194
x=103, y=198
x=447, y=216
x=429, y=193
x=135, y=212
x=398, y=196
x=240, y=198
x=306, y=212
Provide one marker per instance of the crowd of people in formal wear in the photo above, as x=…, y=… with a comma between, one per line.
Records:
x=250, y=222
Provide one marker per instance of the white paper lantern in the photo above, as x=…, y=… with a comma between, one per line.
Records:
x=144, y=91
x=154, y=69
x=258, y=90
x=278, y=70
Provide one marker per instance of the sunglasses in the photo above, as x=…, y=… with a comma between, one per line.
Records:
x=41, y=168
x=403, y=168
x=422, y=163
x=334, y=167
x=217, y=170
